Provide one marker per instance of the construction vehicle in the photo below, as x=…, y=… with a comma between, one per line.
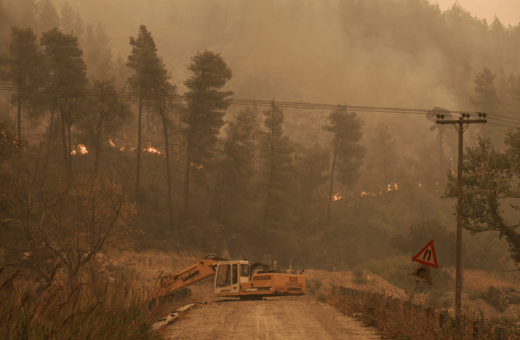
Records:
x=236, y=278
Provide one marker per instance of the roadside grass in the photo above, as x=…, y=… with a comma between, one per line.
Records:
x=95, y=307
x=359, y=278
x=409, y=323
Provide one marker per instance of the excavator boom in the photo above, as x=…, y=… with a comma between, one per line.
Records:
x=200, y=271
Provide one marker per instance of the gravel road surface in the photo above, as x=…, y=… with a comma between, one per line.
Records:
x=271, y=318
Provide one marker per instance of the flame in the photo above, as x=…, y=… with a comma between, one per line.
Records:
x=197, y=166
x=122, y=148
x=420, y=184
x=392, y=186
x=112, y=143
x=81, y=150
x=151, y=149
x=337, y=197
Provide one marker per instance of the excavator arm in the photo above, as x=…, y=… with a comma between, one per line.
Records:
x=200, y=271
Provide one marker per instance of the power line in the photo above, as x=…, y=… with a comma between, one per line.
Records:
x=242, y=102
x=234, y=101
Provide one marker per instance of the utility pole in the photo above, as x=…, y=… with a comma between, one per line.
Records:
x=460, y=125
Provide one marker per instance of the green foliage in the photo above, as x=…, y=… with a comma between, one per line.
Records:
x=490, y=179
x=203, y=115
x=98, y=310
x=359, y=278
x=281, y=186
x=472, y=295
x=348, y=153
x=312, y=165
x=234, y=176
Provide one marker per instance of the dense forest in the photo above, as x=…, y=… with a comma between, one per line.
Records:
x=186, y=133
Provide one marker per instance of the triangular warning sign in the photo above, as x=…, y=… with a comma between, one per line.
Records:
x=422, y=273
x=427, y=256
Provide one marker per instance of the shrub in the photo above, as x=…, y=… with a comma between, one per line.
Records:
x=359, y=278
x=92, y=309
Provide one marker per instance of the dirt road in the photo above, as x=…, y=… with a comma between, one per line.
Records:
x=271, y=318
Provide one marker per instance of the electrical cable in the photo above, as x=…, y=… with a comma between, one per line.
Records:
x=237, y=101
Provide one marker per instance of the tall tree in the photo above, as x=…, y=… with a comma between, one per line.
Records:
x=101, y=117
x=313, y=164
x=486, y=100
x=491, y=190
x=236, y=167
x=24, y=63
x=48, y=15
x=142, y=58
x=279, y=176
x=441, y=136
x=347, y=153
x=68, y=71
x=385, y=143
x=204, y=114
x=67, y=18
x=98, y=54
x=150, y=77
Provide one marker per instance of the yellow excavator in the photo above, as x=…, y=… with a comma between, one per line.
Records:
x=234, y=279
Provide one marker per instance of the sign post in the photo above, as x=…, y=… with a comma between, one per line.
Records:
x=427, y=258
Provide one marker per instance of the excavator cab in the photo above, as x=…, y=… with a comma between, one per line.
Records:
x=229, y=276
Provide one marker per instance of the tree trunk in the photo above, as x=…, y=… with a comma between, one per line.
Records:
x=19, y=114
x=138, y=148
x=98, y=143
x=64, y=139
x=168, y=170
x=332, y=179
x=187, y=176
x=270, y=180
x=69, y=141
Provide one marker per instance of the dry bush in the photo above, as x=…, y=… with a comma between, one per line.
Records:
x=411, y=324
x=92, y=309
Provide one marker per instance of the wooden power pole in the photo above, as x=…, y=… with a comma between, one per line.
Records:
x=460, y=125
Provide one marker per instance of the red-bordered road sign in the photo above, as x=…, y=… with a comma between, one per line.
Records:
x=427, y=256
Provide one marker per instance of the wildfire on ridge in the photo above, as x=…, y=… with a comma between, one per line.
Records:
x=151, y=149
x=81, y=150
x=392, y=186
x=337, y=197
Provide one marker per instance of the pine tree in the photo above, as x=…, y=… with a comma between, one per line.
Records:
x=313, y=163
x=68, y=71
x=101, y=117
x=282, y=188
x=67, y=18
x=204, y=114
x=487, y=100
x=441, y=129
x=24, y=63
x=348, y=154
x=48, y=16
x=385, y=143
x=98, y=54
x=150, y=77
x=236, y=167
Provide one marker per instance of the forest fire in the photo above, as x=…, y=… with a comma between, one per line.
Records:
x=196, y=166
x=151, y=149
x=81, y=150
x=337, y=197
x=392, y=186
